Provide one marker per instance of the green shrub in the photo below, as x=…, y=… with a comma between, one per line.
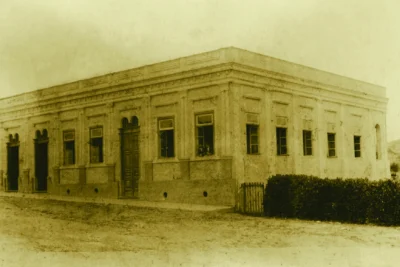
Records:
x=345, y=200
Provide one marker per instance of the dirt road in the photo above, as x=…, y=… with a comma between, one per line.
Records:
x=36, y=232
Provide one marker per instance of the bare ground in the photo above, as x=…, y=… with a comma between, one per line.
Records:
x=36, y=232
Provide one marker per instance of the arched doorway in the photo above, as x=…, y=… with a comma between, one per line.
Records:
x=41, y=160
x=130, y=164
x=12, y=162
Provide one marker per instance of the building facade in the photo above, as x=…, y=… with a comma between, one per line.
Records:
x=192, y=130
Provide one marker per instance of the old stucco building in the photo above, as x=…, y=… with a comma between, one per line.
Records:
x=192, y=130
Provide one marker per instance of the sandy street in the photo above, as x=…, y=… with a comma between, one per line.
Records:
x=37, y=232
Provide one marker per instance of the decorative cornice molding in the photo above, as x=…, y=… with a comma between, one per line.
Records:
x=280, y=102
x=65, y=102
x=171, y=104
x=69, y=120
x=96, y=115
x=40, y=123
x=265, y=77
x=252, y=97
x=306, y=107
x=111, y=92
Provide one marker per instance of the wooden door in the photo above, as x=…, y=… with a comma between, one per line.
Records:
x=41, y=166
x=12, y=167
x=41, y=160
x=130, y=162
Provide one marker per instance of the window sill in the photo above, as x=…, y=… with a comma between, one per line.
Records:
x=283, y=155
x=332, y=157
x=165, y=160
x=201, y=158
x=94, y=165
x=253, y=154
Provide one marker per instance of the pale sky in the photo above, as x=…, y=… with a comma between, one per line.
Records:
x=48, y=42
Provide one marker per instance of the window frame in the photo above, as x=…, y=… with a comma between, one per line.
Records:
x=307, y=137
x=357, y=152
x=252, y=122
x=91, y=145
x=69, y=141
x=202, y=152
x=249, y=135
x=279, y=139
x=334, y=145
x=161, y=130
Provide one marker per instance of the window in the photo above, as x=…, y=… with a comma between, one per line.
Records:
x=69, y=147
x=166, y=133
x=252, y=133
x=252, y=138
x=205, y=134
x=357, y=146
x=281, y=141
x=307, y=143
x=96, y=145
x=331, y=145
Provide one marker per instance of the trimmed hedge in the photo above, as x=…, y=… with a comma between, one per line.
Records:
x=344, y=200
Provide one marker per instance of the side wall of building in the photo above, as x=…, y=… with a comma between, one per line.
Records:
x=321, y=114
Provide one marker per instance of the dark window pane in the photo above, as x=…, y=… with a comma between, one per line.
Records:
x=248, y=134
x=96, y=150
x=307, y=143
x=331, y=145
x=167, y=143
x=357, y=146
x=69, y=153
x=281, y=141
x=205, y=140
x=252, y=138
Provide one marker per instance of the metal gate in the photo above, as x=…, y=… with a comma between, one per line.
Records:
x=251, y=199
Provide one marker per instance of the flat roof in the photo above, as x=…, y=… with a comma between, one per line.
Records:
x=202, y=60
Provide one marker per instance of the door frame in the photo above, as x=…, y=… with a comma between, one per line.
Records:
x=41, y=138
x=128, y=128
x=13, y=143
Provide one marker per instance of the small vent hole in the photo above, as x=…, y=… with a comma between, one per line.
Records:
x=165, y=194
x=205, y=194
x=68, y=191
x=96, y=190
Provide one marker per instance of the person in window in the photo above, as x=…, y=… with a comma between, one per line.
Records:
x=207, y=149
x=201, y=151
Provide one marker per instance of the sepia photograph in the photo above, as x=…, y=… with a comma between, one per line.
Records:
x=200, y=133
